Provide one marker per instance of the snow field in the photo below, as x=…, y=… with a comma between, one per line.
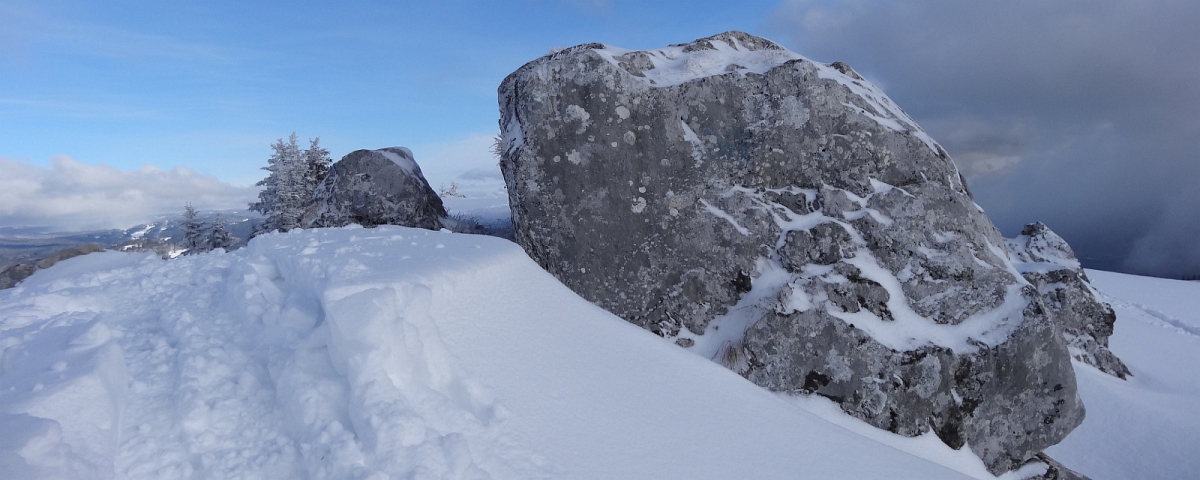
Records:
x=235, y=372
x=382, y=353
x=403, y=353
x=1147, y=426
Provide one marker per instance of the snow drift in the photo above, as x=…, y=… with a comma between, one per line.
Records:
x=381, y=353
x=405, y=353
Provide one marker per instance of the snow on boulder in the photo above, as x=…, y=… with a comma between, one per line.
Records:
x=1047, y=262
x=787, y=218
x=376, y=187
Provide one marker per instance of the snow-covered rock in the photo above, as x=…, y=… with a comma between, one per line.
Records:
x=1047, y=262
x=788, y=217
x=375, y=187
x=15, y=273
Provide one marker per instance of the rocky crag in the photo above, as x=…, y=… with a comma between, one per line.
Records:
x=1047, y=262
x=787, y=217
x=375, y=187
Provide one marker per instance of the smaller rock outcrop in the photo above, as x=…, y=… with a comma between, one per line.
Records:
x=1047, y=262
x=13, y=275
x=1055, y=470
x=375, y=187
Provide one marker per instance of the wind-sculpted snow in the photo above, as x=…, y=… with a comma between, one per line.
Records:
x=788, y=219
x=404, y=353
x=285, y=360
x=376, y=353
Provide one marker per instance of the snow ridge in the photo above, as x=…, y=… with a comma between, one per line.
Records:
x=277, y=360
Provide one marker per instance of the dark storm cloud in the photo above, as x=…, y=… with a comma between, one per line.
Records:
x=1081, y=114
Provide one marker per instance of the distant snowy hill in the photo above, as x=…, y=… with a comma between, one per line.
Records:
x=403, y=353
x=239, y=223
x=21, y=243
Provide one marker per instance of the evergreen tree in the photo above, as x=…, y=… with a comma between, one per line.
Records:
x=316, y=162
x=218, y=236
x=283, y=195
x=193, y=231
x=287, y=190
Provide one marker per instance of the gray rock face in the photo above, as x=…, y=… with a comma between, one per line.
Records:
x=1055, y=470
x=786, y=216
x=1009, y=401
x=376, y=187
x=13, y=275
x=1047, y=262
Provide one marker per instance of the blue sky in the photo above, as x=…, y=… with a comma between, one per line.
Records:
x=1084, y=114
x=209, y=85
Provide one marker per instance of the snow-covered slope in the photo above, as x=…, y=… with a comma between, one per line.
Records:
x=1149, y=425
x=347, y=353
x=403, y=353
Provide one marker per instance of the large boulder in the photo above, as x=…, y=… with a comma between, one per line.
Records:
x=787, y=217
x=1049, y=263
x=375, y=187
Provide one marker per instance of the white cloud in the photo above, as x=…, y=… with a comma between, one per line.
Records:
x=72, y=195
x=468, y=162
x=981, y=164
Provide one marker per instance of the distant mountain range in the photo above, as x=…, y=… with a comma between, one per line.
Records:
x=24, y=244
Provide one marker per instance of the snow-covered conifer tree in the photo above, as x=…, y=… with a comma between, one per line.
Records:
x=285, y=194
x=287, y=191
x=218, y=236
x=316, y=162
x=193, y=231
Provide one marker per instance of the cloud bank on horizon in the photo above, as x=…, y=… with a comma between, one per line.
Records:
x=70, y=195
x=1083, y=114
